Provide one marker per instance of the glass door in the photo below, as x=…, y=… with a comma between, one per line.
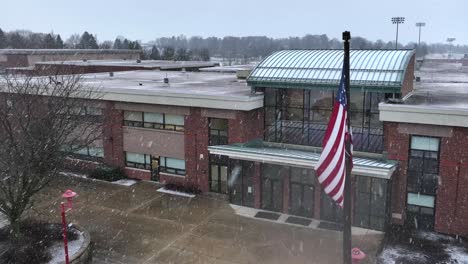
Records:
x=241, y=190
x=302, y=192
x=272, y=188
x=329, y=210
x=155, y=168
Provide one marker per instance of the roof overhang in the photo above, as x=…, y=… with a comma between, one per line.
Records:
x=362, y=166
x=429, y=115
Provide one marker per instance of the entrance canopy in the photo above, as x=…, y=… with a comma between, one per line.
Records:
x=261, y=151
x=370, y=70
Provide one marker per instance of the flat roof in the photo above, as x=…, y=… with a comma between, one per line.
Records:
x=231, y=69
x=149, y=64
x=196, y=89
x=66, y=51
x=439, y=98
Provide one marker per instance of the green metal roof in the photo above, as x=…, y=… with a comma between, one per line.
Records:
x=380, y=70
x=272, y=153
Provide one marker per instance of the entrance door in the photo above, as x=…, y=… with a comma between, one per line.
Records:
x=218, y=174
x=155, y=168
x=329, y=210
x=272, y=188
x=302, y=192
x=241, y=183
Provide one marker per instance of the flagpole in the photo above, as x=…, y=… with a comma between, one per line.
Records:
x=347, y=187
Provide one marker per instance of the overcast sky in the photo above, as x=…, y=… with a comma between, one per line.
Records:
x=147, y=19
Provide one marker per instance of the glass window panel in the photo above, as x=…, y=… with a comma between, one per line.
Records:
x=96, y=152
x=154, y=117
x=135, y=157
x=148, y=159
x=224, y=173
x=417, y=153
x=82, y=151
x=377, y=223
x=174, y=119
x=133, y=116
x=217, y=123
x=425, y=143
x=416, y=164
x=93, y=110
x=214, y=172
x=427, y=211
x=431, y=166
x=421, y=200
x=175, y=163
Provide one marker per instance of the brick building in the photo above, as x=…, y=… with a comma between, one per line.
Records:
x=257, y=141
x=29, y=57
x=158, y=125
x=427, y=134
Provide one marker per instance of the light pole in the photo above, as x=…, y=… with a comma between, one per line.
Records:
x=420, y=25
x=450, y=40
x=397, y=21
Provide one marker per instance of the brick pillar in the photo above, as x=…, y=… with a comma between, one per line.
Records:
x=113, y=136
x=196, y=150
x=257, y=182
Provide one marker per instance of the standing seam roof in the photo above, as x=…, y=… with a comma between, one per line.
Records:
x=381, y=70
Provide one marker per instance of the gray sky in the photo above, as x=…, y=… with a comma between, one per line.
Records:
x=148, y=19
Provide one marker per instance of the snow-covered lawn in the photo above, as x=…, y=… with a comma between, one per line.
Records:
x=165, y=190
x=58, y=253
x=425, y=247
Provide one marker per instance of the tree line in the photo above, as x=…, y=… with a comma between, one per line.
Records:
x=198, y=48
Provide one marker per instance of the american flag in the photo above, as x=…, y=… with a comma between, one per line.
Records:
x=330, y=168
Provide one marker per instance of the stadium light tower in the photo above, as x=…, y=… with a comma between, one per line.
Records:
x=420, y=25
x=450, y=40
x=397, y=21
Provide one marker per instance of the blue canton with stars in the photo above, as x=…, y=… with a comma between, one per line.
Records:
x=341, y=95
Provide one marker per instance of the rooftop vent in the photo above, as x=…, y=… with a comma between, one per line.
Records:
x=138, y=61
x=418, y=79
x=166, y=80
x=111, y=74
x=140, y=84
x=85, y=60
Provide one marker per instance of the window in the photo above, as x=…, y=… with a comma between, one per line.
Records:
x=423, y=168
x=422, y=181
x=370, y=205
x=171, y=165
x=139, y=161
x=86, y=153
x=218, y=173
x=154, y=120
x=218, y=131
x=296, y=116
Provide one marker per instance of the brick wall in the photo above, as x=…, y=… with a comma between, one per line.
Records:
x=452, y=198
x=247, y=126
x=409, y=77
x=112, y=136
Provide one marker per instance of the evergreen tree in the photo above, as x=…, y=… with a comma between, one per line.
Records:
x=87, y=41
x=168, y=53
x=117, y=44
x=58, y=42
x=3, y=40
x=125, y=44
x=17, y=41
x=49, y=42
x=155, y=53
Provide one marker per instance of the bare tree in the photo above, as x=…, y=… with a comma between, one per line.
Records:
x=41, y=123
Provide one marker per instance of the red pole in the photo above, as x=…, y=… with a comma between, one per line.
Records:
x=64, y=233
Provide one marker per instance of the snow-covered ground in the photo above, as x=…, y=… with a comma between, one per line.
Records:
x=164, y=190
x=125, y=182
x=58, y=253
x=456, y=251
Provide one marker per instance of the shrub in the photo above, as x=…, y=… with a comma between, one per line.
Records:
x=108, y=174
x=31, y=246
